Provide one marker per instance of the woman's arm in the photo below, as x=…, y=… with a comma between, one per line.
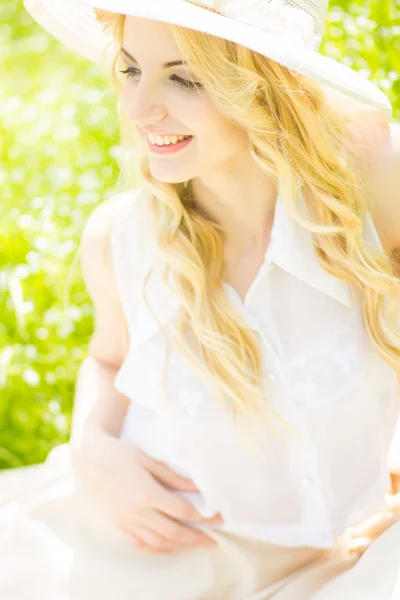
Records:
x=375, y=147
x=99, y=410
x=98, y=407
x=378, y=149
x=384, y=179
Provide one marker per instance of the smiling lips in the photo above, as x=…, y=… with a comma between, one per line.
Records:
x=161, y=140
x=168, y=146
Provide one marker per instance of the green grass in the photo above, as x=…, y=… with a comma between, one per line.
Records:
x=59, y=141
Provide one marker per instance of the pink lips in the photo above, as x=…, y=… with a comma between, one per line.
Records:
x=170, y=148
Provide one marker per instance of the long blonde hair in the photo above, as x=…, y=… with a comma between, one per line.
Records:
x=287, y=117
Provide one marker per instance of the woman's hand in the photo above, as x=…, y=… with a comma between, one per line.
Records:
x=359, y=538
x=131, y=488
x=395, y=484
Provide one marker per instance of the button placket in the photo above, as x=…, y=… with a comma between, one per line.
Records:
x=272, y=365
x=313, y=485
x=273, y=348
x=309, y=487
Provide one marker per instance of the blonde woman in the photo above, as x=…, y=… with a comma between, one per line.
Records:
x=234, y=416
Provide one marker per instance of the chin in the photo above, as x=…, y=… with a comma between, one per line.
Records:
x=170, y=179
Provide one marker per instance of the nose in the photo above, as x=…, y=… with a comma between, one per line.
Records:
x=144, y=104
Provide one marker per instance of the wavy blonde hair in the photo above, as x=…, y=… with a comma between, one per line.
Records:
x=287, y=117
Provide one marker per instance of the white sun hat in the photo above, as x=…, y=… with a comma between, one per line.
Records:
x=286, y=31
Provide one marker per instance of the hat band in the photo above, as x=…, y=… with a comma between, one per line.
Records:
x=274, y=17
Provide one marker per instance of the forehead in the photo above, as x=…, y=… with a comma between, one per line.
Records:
x=148, y=38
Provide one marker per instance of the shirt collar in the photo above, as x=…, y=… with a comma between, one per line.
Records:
x=291, y=248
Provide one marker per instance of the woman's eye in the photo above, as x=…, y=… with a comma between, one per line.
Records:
x=132, y=72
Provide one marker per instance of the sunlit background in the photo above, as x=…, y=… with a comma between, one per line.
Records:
x=59, y=144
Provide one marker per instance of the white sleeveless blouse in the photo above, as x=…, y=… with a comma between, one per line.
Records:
x=322, y=375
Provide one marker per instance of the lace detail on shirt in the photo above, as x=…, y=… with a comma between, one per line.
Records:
x=322, y=378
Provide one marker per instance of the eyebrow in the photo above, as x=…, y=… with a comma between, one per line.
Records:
x=167, y=65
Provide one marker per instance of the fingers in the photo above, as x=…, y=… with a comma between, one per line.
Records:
x=179, y=508
x=377, y=524
x=153, y=540
x=167, y=537
x=171, y=479
x=358, y=545
x=146, y=542
x=173, y=505
x=395, y=483
x=359, y=538
x=177, y=533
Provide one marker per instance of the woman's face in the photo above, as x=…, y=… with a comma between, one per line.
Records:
x=163, y=100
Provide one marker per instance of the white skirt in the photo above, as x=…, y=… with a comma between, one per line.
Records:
x=56, y=545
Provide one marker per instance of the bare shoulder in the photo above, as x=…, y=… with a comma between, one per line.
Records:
x=384, y=179
x=110, y=339
x=376, y=149
x=95, y=234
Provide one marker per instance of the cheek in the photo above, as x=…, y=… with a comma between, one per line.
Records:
x=223, y=138
x=215, y=134
x=220, y=135
x=126, y=99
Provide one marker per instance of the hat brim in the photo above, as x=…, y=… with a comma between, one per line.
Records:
x=73, y=23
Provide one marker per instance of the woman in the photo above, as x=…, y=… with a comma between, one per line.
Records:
x=234, y=416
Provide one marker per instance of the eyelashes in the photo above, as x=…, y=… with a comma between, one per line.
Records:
x=185, y=84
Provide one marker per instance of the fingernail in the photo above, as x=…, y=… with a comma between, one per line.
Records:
x=192, y=483
x=218, y=520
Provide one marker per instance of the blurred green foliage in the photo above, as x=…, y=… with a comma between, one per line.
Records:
x=59, y=143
